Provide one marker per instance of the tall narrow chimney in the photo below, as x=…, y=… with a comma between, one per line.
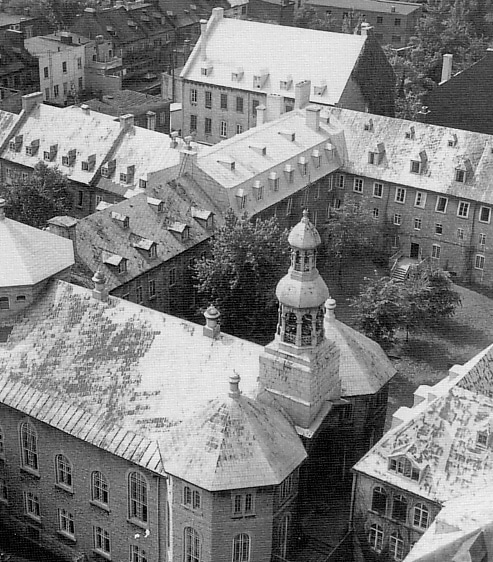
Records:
x=203, y=39
x=151, y=120
x=446, y=68
x=261, y=109
x=313, y=117
x=302, y=94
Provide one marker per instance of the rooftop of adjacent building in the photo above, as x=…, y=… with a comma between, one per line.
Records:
x=7, y=19
x=121, y=102
x=380, y=6
x=55, y=42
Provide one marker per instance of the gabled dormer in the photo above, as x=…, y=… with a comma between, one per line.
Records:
x=418, y=162
x=116, y=261
x=260, y=78
x=410, y=133
x=206, y=68
x=368, y=126
x=32, y=148
x=156, y=204
x=402, y=464
x=128, y=176
x=89, y=164
x=15, y=144
x=203, y=217
x=108, y=169
x=181, y=230
x=452, y=140
x=69, y=158
x=146, y=245
x=121, y=219
x=376, y=153
x=464, y=170
x=50, y=155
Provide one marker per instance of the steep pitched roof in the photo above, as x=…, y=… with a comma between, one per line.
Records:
x=30, y=255
x=7, y=122
x=276, y=52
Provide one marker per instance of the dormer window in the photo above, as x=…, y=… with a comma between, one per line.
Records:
x=404, y=466
x=289, y=172
x=206, y=69
x=180, y=228
x=258, y=189
x=260, y=78
x=32, y=149
x=142, y=183
x=329, y=150
x=415, y=167
x=49, y=155
x=108, y=169
x=69, y=158
x=303, y=165
x=286, y=83
x=128, y=176
x=482, y=439
x=88, y=165
x=369, y=125
x=289, y=135
x=375, y=154
x=460, y=175
x=418, y=163
x=227, y=162
x=237, y=75
x=124, y=220
x=320, y=89
x=241, y=198
x=274, y=181
x=452, y=141
x=16, y=143
x=410, y=133
x=122, y=266
x=259, y=149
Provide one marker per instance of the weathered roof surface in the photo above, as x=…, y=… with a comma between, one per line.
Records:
x=70, y=128
x=233, y=442
x=380, y=6
x=444, y=151
x=323, y=57
x=364, y=367
x=127, y=101
x=42, y=45
x=100, y=232
x=7, y=121
x=30, y=255
x=127, y=364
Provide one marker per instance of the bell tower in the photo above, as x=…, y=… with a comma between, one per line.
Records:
x=300, y=368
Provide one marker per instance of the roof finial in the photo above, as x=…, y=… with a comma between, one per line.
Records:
x=330, y=306
x=212, y=328
x=305, y=215
x=99, y=292
x=2, y=209
x=234, y=381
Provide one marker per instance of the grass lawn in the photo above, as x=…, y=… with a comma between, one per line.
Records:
x=426, y=358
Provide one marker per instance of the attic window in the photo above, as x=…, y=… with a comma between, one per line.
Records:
x=329, y=149
x=128, y=176
x=286, y=84
x=32, y=149
x=316, y=158
x=180, y=228
x=410, y=133
x=108, y=169
x=482, y=439
x=289, y=135
x=122, y=266
x=258, y=189
x=452, y=141
x=241, y=198
x=403, y=466
x=116, y=261
x=69, y=158
x=157, y=203
x=320, y=89
x=50, y=155
x=142, y=183
x=289, y=171
x=206, y=69
x=259, y=148
x=237, y=75
x=274, y=181
x=145, y=244
x=303, y=165
x=369, y=125
x=375, y=154
x=16, y=143
x=229, y=163
x=88, y=165
x=418, y=162
x=460, y=175
x=203, y=216
x=260, y=78
x=122, y=219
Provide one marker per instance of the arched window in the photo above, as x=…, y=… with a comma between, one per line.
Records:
x=137, y=494
x=241, y=548
x=421, y=516
x=396, y=546
x=399, y=508
x=63, y=470
x=192, y=545
x=284, y=535
x=29, y=446
x=290, y=328
x=379, y=501
x=99, y=488
x=375, y=537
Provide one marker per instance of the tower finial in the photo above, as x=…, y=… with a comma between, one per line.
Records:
x=234, y=381
x=305, y=215
x=99, y=292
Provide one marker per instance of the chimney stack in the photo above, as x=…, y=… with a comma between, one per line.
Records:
x=275, y=105
x=31, y=101
x=260, y=114
x=302, y=92
x=365, y=28
x=211, y=328
x=99, y=292
x=234, y=385
x=2, y=209
x=86, y=109
x=174, y=139
x=313, y=117
x=446, y=68
x=127, y=121
x=151, y=120
x=203, y=39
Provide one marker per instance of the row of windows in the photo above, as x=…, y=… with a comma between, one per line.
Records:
x=224, y=102
x=46, y=71
x=397, y=508
x=419, y=201
x=192, y=546
x=223, y=126
x=396, y=542
x=65, y=88
x=5, y=301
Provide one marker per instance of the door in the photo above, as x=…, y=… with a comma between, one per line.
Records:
x=414, y=251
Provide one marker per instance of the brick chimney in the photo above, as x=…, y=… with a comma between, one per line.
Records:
x=151, y=120
x=313, y=117
x=203, y=39
x=446, y=68
x=275, y=105
x=31, y=101
x=127, y=121
x=302, y=92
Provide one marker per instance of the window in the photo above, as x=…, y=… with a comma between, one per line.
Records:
x=340, y=180
x=32, y=505
x=56, y=90
x=396, y=546
x=65, y=88
x=241, y=548
x=378, y=189
x=260, y=192
x=463, y=209
x=99, y=488
x=66, y=523
x=29, y=446
x=191, y=498
x=137, y=554
x=400, y=195
x=397, y=219
x=421, y=516
x=358, y=185
x=137, y=493
x=375, y=212
x=441, y=205
x=404, y=466
x=208, y=126
x=435, y=251
x=239, y=129
x=417, y=224
x=102, y=540
x=399, y=508
x=460, y=233
x=193, y=123
x=255, y=104
x=379, y=19
x=81, y=83
x=208, y=100
x=172, y=276
x=4, y=303
x=64, y=67
x=482, y=439
x=379, y=501
x=243, y=505
x=482, y=239
x=4, y=493
x=439, y=228
x=397, y=22
x=192, y=546
x=223, y=129
x=79, y=62
x=140, y=294
x=375, y=537
x=193, y=97
x=122, y=266
x=63, y=469
x=152, y=288
x=303, y=167
x=316, y=192
x=485, y=214
x=45, y=72
x=420, y=200
x=289, y=206
x=224, y=101
x=239, y=104
x=460, y=175
x=415, y=164
x=286, y=489
x=479, y=261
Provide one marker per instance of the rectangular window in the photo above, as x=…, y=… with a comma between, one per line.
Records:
x=379, y=19
x=415, y=164
x=80, y=199
x=378, y=189
x=65, y=88
x=358, y=185
x=463, y=209
x=32, y=505
x=239, y=129
x=479, y=261
x=400, y=195
x=485, y=214
x=441, y=205
x=102, y=540
x=223, y=129
x=417, y=224
x=316, y=192
x=420, y=199
x=375, y=212
x=482, y=239
x=435, y=251
x=259, y=192
x=193, y=97
x=224, y=101
x=79, y=62
x=45, y=72
x=243, y=505
x=208, y=126
x=255, y=104
x=208, y=100
x=47, y=93
x=439, y=228
x=56, y=90
x=152, y=288
x=140, y=294
x=397, y=219
x=64, y=67
x=460, y=176
x=81, y=83
x=239, y=104
x=193, y=123
x=460, y=233
x=66, y=522
x=340, y=180
x=397, y=22
x=289, y=206
x=172, y=277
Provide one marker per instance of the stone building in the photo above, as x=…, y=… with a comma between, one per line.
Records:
x=120, y=443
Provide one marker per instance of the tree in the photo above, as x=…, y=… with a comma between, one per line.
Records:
x=240, y=278
x=308, y=18
x=35, y=200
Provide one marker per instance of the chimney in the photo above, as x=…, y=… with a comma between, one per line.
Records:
x=85, y=109
x=188, y=143
x=212, y=328
x=313, y=117
x=365, y=28
x=99, y=292
x=261, y=119
x=188, y=159
x=203, y=39
x=2, y=209
x=174, y=139
x=217, y=14
x=275, y=105
x=66, y=38
x=234, y=385
x=446, y=68
x=330, y=306
x=302, y=94
x=151, y=120
x=126, y=121
x=31, y=101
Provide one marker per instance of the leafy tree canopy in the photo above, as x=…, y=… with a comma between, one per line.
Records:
x=248, y=259
x=40, y=197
